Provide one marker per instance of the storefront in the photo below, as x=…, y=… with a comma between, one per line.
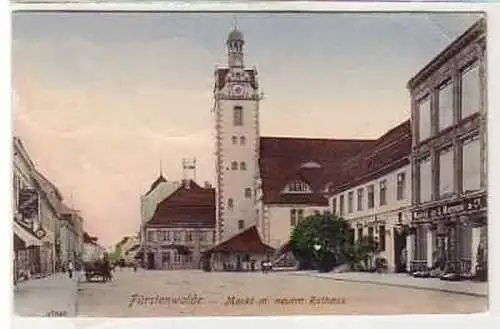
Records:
x=452, y=230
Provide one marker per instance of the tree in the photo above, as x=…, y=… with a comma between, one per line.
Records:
x=329, y=232
x=359, y=253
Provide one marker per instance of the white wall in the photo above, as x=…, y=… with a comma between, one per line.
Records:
x=392, y=203
x=386, y=215
x=232, y=183
x=279, y=220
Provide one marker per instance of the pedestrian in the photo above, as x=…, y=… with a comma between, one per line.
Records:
x=70, y=269
x=403, y=260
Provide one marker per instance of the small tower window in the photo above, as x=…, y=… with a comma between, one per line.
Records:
x=235, y=139
x=234, y=165
x=230, y=203
x=241, y=224
x=238, y=116
x=242, y=140
x=243, y=165
x=248, y=193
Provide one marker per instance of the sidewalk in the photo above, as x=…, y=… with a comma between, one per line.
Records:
x=56, y=293
x=479, y=289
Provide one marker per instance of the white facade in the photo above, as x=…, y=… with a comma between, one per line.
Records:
x=282, y=219
x=370, y=217
x=237, y=143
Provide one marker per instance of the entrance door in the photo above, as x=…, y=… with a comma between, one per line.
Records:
x=150, y=261
x=399, y=246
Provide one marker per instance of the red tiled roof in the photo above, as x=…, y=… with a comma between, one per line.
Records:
x=281, y=161
x=248, y=241
x=155, y=184
x=186, y=207
x=389, y=152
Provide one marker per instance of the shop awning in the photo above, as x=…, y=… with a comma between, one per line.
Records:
x=29, y=238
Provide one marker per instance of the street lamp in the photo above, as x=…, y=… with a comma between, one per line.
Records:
x=317, y=247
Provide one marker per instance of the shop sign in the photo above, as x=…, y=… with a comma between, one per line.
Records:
x=470, y=204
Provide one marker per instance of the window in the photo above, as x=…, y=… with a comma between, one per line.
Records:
x=230, y=203
x=242, y=140
x=425, y=180
x=243, y=165
x=177, y=236
x=470, y=91
x=235, y=139
x=471, y=164
x=351, y=236
x=401, y=185
x=162, y=235
x=241, y=224
x=238, y=116
x=350, y=196
x=341, y=205
x=360, y=233
x=421, y=243
x=370, y=233
x=300, y=214
x=445, y=105
x=189, y=236
x=360, y=199
x=293, y=217
x=371, y=196
x=381, y=237
x=203, y=236
x=383, y=192
x=167, y=235
x=151, y=236
x=424, y=118
x=298, y=186
x=248, y=193
x=334, y=206
x=446, y=172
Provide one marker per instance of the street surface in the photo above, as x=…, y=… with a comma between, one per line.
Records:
x=188, y=293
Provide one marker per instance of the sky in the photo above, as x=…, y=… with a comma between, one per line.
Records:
x=102, y=98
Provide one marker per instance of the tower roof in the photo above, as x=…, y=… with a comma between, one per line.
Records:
x=235, y=35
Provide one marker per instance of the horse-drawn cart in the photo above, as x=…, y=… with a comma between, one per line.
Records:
x=97, y=269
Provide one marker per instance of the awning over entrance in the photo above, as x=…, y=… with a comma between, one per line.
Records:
x=28, y=238
x=248, y=242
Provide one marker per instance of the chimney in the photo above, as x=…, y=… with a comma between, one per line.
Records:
x=207, y=184
x=186, y=183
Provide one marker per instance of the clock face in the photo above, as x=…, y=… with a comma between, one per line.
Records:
x=237, y=90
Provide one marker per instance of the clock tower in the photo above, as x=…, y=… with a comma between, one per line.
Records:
x=236, y=109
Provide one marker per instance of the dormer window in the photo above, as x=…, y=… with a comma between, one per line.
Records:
x=311, y=165
x=298, y=187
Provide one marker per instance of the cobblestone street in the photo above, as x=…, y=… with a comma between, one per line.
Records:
x=186, y=293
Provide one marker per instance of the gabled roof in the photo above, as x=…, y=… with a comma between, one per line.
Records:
x=284, y=159
x=52, y=193
x=390, y=152
x=190, y=206
x=247, y=241
x=155, y=184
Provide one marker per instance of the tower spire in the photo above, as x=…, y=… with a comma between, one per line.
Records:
x=161, y=167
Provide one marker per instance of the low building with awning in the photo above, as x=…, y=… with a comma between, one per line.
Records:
x=244, y=251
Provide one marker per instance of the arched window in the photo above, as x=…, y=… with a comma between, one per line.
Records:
x=248, y=193
x=243, y=165
x=235, y=139
x=230, y=203
x=234, y=165
x=242, y=140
